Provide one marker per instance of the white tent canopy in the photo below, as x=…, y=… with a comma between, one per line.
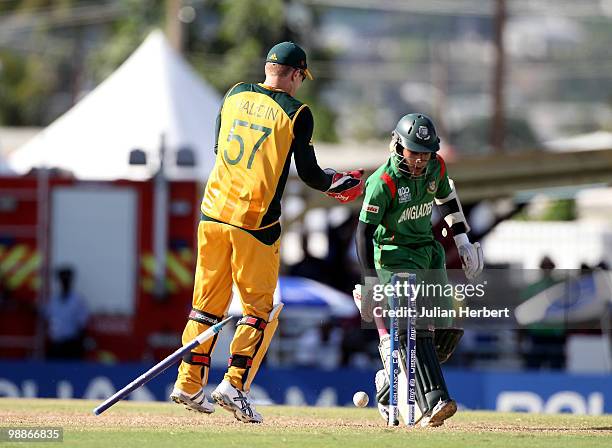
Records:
x=5, y=170
x=153, y=93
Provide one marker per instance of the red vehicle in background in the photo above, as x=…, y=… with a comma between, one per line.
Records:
x=114, y=234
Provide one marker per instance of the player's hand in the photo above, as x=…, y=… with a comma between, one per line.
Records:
x=363, y=304
x=346, y=186
x=471, y=255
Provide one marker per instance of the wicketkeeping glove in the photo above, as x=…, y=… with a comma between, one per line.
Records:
x=345, y=186
x=471, y=255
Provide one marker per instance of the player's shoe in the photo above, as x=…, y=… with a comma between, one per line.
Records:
x=195, y=402
x=441, y=411
x=236, y=402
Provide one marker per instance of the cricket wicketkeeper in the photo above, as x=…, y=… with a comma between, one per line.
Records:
x=394, y=234
x=260, y=128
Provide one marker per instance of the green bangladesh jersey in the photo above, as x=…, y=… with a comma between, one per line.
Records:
x=401, y=207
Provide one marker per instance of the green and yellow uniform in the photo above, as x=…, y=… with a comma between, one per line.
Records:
x=259, y=128
x=255, y=136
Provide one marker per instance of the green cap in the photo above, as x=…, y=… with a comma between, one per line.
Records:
x=288, y=53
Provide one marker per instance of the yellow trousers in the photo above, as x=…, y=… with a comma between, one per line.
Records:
x=228, y=255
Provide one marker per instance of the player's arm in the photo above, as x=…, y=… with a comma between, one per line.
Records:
x=377, y=199
x=342, y=186
x=365, y=248
x=450, y=208
x=303, y=153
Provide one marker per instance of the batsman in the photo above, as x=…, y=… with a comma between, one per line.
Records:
x=395, y=234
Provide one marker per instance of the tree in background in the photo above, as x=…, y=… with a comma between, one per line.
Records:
x=474, y=138
x=33, y=58
x=124, y=35
x=68, y=47
x=543, y=208
x=25, y=87
x=48, y=52
x=228, y=41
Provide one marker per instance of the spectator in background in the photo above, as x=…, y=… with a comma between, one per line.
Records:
x=543, y=345
x=67, y=316
x=341, y=238
x=310, y=266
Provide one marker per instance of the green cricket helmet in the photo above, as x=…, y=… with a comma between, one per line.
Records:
x=415, y=132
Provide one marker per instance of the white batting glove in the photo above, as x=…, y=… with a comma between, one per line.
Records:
x=364, y=305
x=471, y=255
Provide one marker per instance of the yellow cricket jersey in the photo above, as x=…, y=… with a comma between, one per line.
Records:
x=253, y=156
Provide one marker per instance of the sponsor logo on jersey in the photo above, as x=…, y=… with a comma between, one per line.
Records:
x=423, y=133
x=432, y=187
x=404, y=194
x=416, y=212
x=370, y=208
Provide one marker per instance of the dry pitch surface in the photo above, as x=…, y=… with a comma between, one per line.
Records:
x=165, y=424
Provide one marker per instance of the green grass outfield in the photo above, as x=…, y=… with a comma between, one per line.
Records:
x=151, y=425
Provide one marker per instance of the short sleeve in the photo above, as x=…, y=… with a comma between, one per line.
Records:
x=444, y=188
x=376, y=200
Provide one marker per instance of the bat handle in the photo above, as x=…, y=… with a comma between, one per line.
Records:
x=380, y=326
